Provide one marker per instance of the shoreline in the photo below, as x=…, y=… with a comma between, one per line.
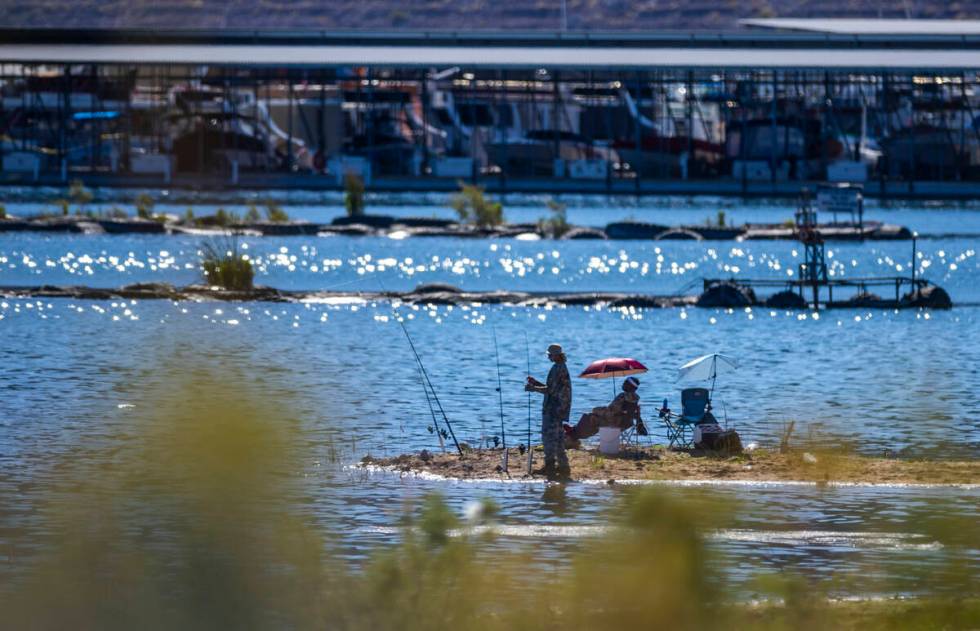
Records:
x=422, y=227
x=657, y=465
x=717, y=295
x=729, y=187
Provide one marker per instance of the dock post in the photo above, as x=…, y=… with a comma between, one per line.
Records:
x=637, y=134
x=915, y=236
x=915, y=288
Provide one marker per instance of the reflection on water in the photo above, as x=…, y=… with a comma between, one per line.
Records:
x=852, y=533
x=927, y=218
x=344, y=263
x=73, y=374
x=794, y=367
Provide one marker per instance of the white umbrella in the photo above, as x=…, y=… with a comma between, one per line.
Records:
x=707, y=367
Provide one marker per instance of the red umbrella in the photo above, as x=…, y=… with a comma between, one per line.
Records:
x=613, y=367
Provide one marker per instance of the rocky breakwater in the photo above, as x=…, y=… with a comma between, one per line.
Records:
x=401, y=227
x=717, y=294
x=422, y=294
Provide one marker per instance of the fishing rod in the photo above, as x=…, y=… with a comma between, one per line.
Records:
x=530, y=452
x=425, y=375
x=428, y=400
x=429, y=382
x=500, y=397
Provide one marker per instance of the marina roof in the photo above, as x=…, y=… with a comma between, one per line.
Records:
x=592, y=51
x=867, y=26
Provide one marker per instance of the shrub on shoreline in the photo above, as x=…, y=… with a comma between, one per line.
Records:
x=144, y=206
x=224, y=266
x=275, y=213
x=557, y=224
x=353, y=194
x=473, y=207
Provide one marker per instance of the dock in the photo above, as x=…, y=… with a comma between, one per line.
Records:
x=634, y=113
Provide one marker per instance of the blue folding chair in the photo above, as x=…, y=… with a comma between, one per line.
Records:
x=695, y=405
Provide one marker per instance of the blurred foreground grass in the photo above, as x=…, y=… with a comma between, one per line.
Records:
x=200, y=526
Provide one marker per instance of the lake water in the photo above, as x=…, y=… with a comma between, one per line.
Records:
x=901, y=382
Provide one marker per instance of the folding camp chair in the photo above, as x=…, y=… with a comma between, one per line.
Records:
x=631, y=436
x=695, y=405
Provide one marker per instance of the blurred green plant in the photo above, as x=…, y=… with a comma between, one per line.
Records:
x=252, y=215
x=473, y=207
x=225, y=266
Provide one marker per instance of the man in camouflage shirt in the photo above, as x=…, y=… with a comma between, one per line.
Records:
x=554, y=412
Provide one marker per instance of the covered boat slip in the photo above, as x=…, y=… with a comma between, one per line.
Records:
x=517, y=57
x=744, y=112
x=912, y=50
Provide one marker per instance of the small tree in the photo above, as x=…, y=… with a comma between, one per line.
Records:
x=189, y=216
x=474, y=208
x=144, y=206
x=557, y=224
x=353, y=194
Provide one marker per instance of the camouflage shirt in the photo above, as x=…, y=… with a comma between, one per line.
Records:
x=558, y=398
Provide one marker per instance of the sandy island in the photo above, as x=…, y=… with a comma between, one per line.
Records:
x=658, y=463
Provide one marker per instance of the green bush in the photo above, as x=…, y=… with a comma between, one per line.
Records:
x=473, y=207
x=557, y=224
x=225, y=218
x=353, y=194
x=3, y=211
x=78, y=193
x=224, y=266
x=189, y=216
x=275, y=213
x=252, y=214
x=144, y=206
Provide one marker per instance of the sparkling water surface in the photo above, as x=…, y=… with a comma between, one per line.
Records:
x=74, y=372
